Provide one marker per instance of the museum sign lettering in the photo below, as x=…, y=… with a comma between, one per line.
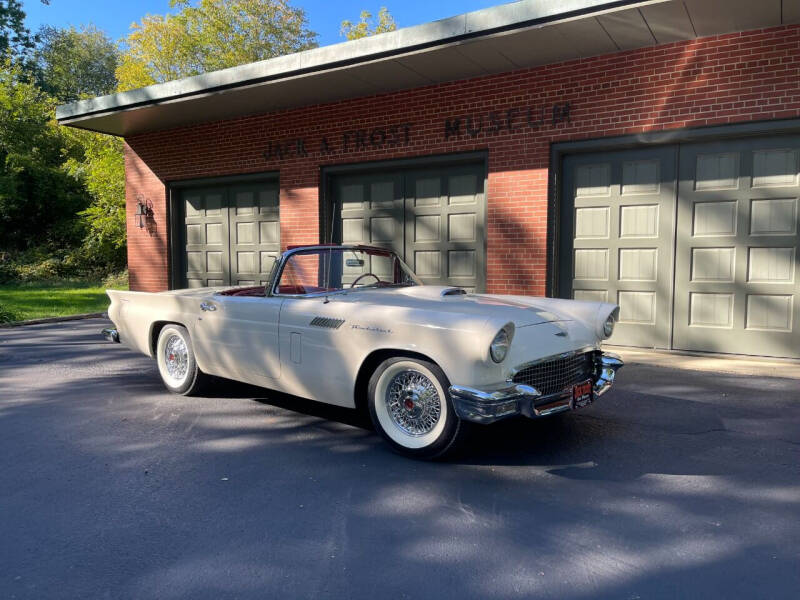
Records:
x=399, y=135
x=512, y=119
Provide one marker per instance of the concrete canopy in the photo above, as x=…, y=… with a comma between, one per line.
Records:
x=498, y=39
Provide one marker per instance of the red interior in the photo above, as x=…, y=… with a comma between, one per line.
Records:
x=302, y=289
x=259, y=290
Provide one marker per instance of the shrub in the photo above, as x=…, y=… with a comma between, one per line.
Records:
x=37, y=264
x=117, y=280
x=7, y=315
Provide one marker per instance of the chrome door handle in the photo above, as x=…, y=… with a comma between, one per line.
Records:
x=207, y=306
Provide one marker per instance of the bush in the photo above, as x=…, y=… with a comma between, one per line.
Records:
x=40, y=264
x=117, y=280
x=8, y=315
x=43, y=264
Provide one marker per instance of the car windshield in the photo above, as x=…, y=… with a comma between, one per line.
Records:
x=327, y=270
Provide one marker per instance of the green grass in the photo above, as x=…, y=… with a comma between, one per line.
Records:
x=39, y=299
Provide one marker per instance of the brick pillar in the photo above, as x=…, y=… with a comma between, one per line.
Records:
x=148, y=248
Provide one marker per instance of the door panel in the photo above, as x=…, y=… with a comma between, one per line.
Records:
x=239, y=338
x=370, y=212
x=255, y=232
x=618, y=227
x=738, y=237
x=205, y=232
x=231, y=234
x=433, y=218
x=445, y=213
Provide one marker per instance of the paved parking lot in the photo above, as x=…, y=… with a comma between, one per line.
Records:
x=684, y=483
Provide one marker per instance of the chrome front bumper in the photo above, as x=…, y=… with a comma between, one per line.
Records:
x=508, y=399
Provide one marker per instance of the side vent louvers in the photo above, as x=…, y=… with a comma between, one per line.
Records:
x=326, y=322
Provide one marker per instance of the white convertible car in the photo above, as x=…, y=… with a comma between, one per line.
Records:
x=353, y=326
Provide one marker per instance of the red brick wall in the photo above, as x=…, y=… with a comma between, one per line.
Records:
x=731, y=78
x=148, y=263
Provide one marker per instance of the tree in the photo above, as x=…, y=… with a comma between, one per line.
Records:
x=367, y=26
x=39, y=201
x=210, y=35
x=100, y=167
x=15, y=39
x=71, y=63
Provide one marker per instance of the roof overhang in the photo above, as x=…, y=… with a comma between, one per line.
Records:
x=494, y=40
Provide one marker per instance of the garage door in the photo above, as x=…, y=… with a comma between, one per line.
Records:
x=620, y=238
x=434, y=219
x=231, y=234
x=737, y=277
x=697, y=243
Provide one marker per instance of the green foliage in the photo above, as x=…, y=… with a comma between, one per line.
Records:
x=15, y=39
x=26, y=117
x=100, y=167
x=117, y=281
x=38, y=199
x=71, y=63
x=367, y=26
x=208, y=35
x=39, y=264
x=7, y=315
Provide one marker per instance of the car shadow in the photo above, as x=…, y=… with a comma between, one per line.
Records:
x=228, y=388
x=514, y=441
x=601, y=442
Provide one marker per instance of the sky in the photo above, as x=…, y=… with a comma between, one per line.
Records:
x=325, y=16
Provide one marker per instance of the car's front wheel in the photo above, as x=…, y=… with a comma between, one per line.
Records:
x=411, y=407
x=176, y=362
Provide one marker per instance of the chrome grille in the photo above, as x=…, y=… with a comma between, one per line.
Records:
x=558, y=374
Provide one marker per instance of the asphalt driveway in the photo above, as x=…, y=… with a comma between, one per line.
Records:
x=681, y=484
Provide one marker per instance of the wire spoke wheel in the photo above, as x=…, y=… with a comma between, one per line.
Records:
x=176, y=357
x=410, y=408
x=176, y=361
x=413, y=403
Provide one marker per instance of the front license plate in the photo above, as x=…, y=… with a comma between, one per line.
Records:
x=582, y=394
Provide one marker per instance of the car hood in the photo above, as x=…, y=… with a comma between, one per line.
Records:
x=523, y=311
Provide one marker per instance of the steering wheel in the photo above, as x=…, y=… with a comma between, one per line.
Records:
x=360, y=277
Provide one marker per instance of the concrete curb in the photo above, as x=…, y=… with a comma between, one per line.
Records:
x=732, y=365
x=52, y=320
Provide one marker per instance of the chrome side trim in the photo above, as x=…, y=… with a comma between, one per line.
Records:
x=110, y=334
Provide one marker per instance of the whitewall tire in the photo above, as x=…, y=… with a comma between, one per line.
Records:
x=176, y=362
x=411, y=408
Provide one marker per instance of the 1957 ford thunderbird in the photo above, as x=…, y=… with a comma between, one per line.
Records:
x=353, y=326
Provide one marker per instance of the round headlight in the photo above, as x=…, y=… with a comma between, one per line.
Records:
x=500, y=344
x=608, y=326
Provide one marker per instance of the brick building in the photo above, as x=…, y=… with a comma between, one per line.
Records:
x=643, y=153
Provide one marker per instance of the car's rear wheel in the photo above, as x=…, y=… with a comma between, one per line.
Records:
x=411, y=408
x=176, y=362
